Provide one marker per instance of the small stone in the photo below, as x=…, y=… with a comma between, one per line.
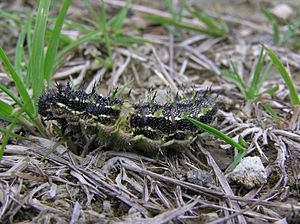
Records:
x=133, y=214
x=199, y=177
x=209, y=217
x=282, y=11
x=249, y=173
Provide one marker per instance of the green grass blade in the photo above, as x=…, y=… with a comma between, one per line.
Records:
x=18, y=81
x=52, y=149
x=102, y=61
x=170, y=6
x=242, y=142
x=20, y=50
x=105, y=35
x=292, y=30
x=63, y=39
x=222, y=136
x=217, y=133
x=28, y=76
x=54, y=41
x=95, y=17
x=38, y=44
x=207, y=20
x=6, y=137
x=82, y=28
x=264, y=75
x=10, y=14
x=219, y=28
x=28, y=33
x=116, y=22
x=286, y=77
x=94, y=35
x=253, y=90
x=9, y=132
x=4, y=131
x=6, y=111
x=170, y=21
x=236, y=78
x=270, y=111
x=236, y=81
x=276, y=28
x=10, y=94
x=272, y=90
x=236, y=161
x=122, y=39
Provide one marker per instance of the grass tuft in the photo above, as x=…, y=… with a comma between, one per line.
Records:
x=253, y=91
x=290, y=35
x=31, y=76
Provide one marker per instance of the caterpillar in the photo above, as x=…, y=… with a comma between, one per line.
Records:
x=122, y=125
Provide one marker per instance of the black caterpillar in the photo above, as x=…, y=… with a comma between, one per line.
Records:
x=121, y=125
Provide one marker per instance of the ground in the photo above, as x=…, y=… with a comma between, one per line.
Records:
x=41, y=184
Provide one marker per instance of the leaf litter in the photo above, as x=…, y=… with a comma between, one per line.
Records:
x=40, y=185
